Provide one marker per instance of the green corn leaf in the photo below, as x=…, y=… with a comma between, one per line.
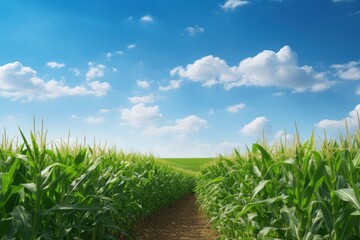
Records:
x=264, y=153
x=265, y=202
x=5, y=182
x=31, y=187
x=28, y=148
x=11, y=191
x=80, y=157
x=23, y=221
x=76, y=207
x=265, y=231
x=348, y=195
x=256, y=171
x=327, y=214
x=7, y=178
x=317, y=221
x=344, y=224
x=259, y=187
x=216, y=180
x=356, y=160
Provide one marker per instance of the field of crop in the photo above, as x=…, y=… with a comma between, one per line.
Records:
x=293, y=192
x=192, y=164
x=68, y=191
x=61, y=191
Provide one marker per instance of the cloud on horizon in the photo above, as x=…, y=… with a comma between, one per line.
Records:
x=18, y=82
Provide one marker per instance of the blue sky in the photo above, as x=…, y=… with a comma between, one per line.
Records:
x=179, y=78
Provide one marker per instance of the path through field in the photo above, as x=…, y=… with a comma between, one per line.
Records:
x=181, y=221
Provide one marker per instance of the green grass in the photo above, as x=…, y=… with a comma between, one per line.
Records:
x=192, y=164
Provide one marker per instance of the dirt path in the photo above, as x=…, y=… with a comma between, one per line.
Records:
x=181, y=221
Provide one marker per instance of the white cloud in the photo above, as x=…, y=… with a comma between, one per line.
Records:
x=143, y=84
x=181, y=127
x=55, y=65
x=348, y=71
x=99, y=88
x=119, y=52
x=94, y=120
x=232, y=4
x=267, y=68
x=147, y=18
x=207, y=70
x=140, y=115
x=141, y=99
x=19, y=82
x=173, y=84
x=235, y=108
x=351, y=119
x=95, y=71
x=131, y=46
x=194, y=30
x=256, y=127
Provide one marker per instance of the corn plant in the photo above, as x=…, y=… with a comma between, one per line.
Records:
x=80, y=192
x=294, y=192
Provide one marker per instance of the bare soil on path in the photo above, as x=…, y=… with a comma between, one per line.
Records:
x=180, y=221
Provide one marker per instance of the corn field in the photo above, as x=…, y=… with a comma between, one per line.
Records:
x=75, y=192
x=286, y=192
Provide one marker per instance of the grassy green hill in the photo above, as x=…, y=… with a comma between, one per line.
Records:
x=193, y=164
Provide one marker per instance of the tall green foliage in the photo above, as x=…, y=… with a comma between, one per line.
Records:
x=76, y=192
x=296, y=192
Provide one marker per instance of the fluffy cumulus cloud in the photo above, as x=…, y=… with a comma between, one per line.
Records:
x=99, y=88
x=94, y=120
x=143, y=84
x=256, y=127
x=348, y=71
x=147, y=18
x=55, y=65
x=208, y=71
x=194, y=30
x=181, y=127
x=351, y=119
x=232, y=4
x=173, y=84
x=268, y=68
x=235, y=108
x=20, y=82
x=131, y=46
x=95, y=71
x=140, y=115
x=141, y=99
